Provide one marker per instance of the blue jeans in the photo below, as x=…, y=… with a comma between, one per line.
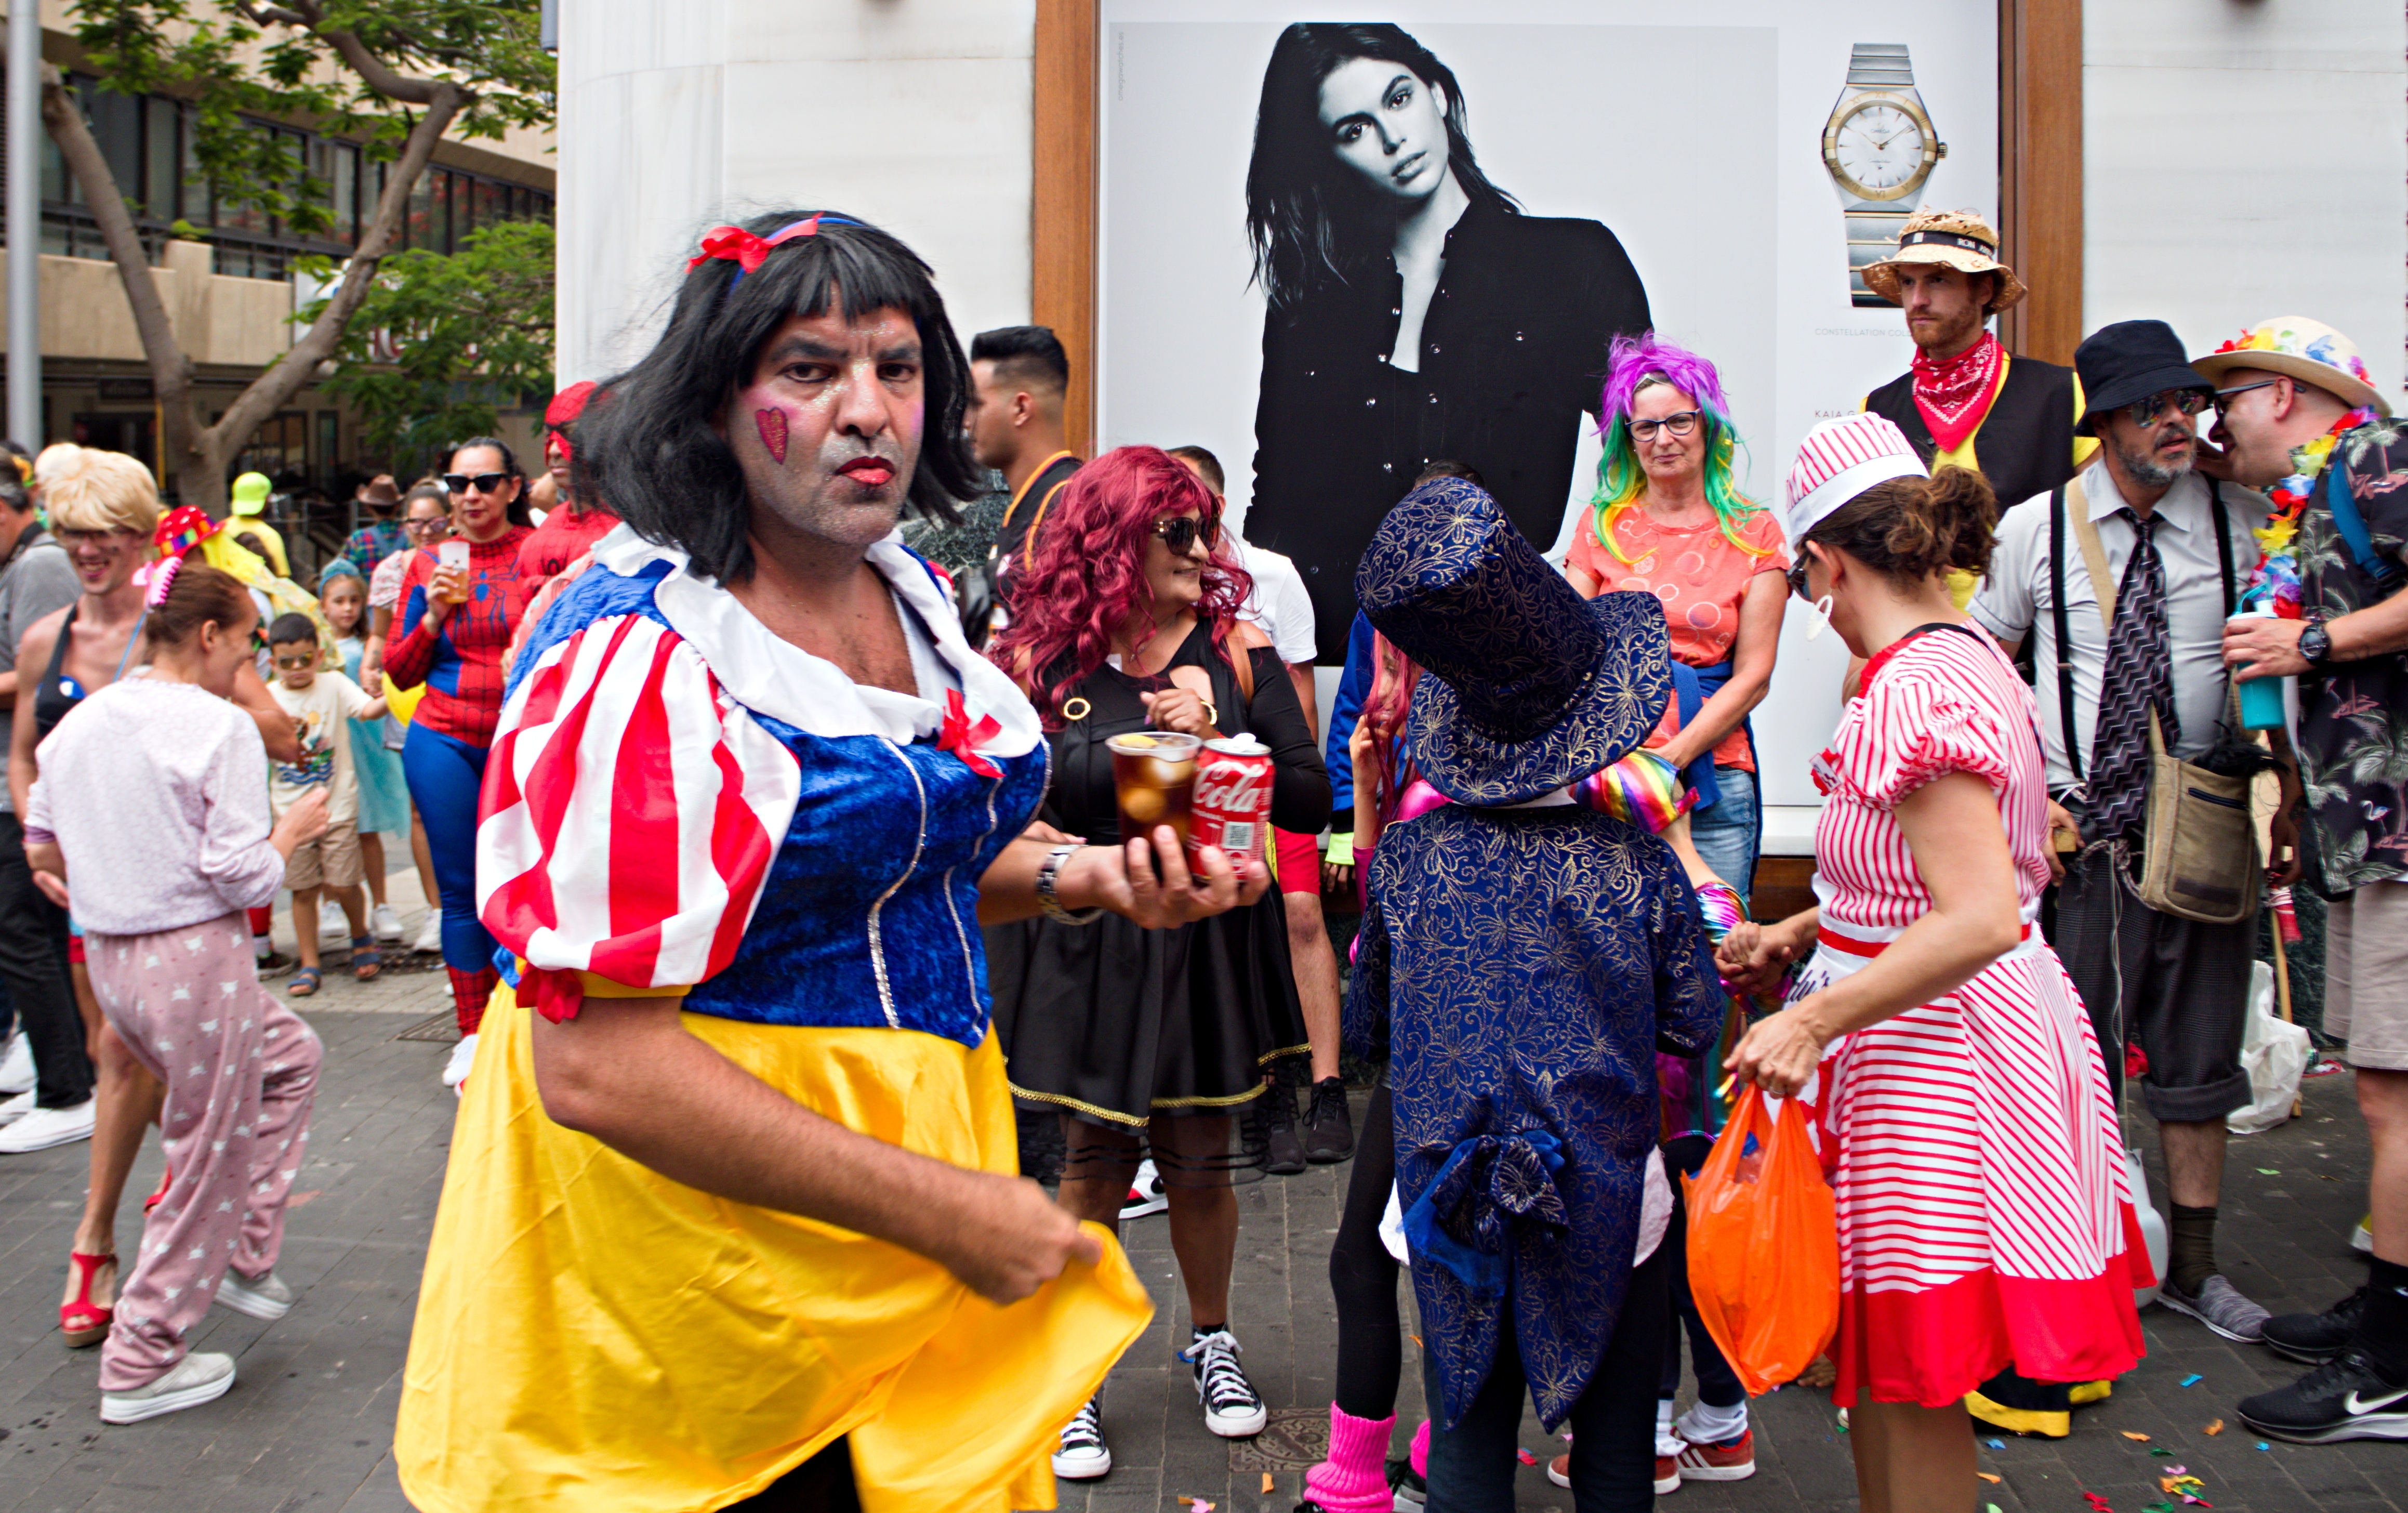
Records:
x=445, y=775
x=1472, y=1465
x=1728, y=833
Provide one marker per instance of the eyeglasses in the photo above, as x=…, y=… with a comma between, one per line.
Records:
x=481, y=482
x=94, y=538
x=2224, y=397
x=1680, y=423
x=2145, y=411
x=432, y=523
x=1180, y=534
x=299, y=662
x=1797, y=575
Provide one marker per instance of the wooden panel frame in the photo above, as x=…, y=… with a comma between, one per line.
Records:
x=2040, y=183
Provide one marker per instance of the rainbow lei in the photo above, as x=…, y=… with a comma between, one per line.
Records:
x=2276, y=583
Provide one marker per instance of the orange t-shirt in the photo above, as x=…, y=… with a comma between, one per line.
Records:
x=1701, y=576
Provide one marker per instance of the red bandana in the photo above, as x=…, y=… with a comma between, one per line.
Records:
x=1953, y=397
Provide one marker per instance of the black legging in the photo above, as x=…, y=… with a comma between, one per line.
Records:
x=1362, y=1275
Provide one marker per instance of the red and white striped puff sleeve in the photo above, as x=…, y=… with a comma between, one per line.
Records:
x=630, y=814
x=1918, y=721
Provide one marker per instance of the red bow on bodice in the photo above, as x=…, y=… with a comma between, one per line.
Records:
x=961, y=737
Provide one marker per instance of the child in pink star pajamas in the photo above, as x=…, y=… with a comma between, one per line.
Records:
x=153, y=802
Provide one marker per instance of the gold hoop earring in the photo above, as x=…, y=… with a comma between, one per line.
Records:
x=1075, y=707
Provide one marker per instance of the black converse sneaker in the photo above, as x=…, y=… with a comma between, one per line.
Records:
x=1084, y=1455
x=2316, y=1339
x=1232, y=1409
x=1287, y=1157
x=2348, y=1397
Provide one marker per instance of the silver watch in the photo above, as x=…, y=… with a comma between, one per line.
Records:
x=1049, y=879
x=1880, y=147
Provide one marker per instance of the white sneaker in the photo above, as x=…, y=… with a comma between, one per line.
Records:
x=384, y=922
x=1232, y=1409
x=16, y=1108
x=430, y=935
x=200, y=1377
x=331, y=926
x=17, y=1065
x=1146, y=1193
x=259, y=1297
x=456, y=1071
x=43, y=1128
x=1084, y=1455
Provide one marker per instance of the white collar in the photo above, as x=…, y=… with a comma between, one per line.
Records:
x=2174, y=509
x=776, y=677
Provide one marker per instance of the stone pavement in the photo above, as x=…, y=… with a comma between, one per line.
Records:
x=310, y=1422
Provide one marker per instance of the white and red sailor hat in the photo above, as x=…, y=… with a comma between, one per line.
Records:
x=1839, y=459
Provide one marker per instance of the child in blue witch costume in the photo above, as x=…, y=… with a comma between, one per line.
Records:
x=1527, y=957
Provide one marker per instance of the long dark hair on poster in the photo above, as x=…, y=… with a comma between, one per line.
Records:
x=651, y=447
x=1311, y=221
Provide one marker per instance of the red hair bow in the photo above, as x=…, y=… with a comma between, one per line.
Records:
x=745, y=250
x=961, y=737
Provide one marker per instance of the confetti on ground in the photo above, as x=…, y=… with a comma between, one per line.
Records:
x=2179, y=1471
x=2263, y=1446
x=2097, y=1503
x=2136, y=1436
x=2215, y=1428
x=2268, y=1171
x=1271, y=1483
x=2160, y=1449
x=1528, y=1459
x=1995, y=1444
x=1992, y=1479
x=2193, y=1379
x=1197, y=1505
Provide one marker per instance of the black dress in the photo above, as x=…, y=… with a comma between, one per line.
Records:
x=1115, y=1024
x=1514, y=349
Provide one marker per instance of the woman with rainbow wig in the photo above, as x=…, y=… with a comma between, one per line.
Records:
x=1669, y=520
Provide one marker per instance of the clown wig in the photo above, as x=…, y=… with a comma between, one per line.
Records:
x=1621, y=482
x=1086, y=584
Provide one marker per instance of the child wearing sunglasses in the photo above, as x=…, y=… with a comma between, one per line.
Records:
x=321, y=703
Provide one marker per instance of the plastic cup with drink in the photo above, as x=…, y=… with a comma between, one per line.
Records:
x=1153, y=780
x=453, y=553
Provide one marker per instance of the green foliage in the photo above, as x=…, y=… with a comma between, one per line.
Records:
x=444, y=343
x=235, y=60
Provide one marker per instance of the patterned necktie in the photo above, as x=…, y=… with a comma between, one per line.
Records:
x=2138, y=673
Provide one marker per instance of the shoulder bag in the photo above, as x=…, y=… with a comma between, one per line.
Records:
x=2200, y=856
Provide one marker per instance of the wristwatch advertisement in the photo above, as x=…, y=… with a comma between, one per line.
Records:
x=1880, y=148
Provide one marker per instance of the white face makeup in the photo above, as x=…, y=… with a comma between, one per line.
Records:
x=1388, y=125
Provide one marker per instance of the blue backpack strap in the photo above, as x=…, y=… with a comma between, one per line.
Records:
x=2352, y=526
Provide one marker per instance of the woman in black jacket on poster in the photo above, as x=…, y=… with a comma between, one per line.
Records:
x=1416, y=311
x=1151, y=1041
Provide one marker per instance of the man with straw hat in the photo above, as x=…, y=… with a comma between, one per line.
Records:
x=2299, y=415
x=1966, y=403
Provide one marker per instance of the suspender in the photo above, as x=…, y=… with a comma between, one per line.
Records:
x=2056, y=604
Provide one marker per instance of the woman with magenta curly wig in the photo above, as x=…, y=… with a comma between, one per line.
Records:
x=1151, y=1043
x=1669, y=519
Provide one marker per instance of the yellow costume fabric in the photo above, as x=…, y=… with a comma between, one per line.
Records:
x=591, y=1335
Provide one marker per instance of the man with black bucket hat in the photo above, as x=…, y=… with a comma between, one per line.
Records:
x=2167, y=994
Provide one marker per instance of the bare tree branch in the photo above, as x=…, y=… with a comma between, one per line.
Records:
x=293, y=371
x=171, y=370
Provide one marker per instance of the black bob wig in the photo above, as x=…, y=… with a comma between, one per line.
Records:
x=650, y=447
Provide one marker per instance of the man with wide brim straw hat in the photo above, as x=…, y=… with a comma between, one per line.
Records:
x=1525, y=957
x=1966, y=402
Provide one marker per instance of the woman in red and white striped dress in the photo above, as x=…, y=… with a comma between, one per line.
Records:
x=1984, y=1221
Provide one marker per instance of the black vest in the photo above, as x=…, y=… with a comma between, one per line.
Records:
x=2026, y=443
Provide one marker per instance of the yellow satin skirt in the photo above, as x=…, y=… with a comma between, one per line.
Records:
x=593, y=1336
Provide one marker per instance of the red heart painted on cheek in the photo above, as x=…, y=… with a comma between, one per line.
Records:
x=773, y=431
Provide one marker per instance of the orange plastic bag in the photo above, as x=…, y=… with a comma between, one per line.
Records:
x=1764, y=1245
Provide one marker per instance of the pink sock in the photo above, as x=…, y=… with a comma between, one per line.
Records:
x=1355, y=1477
x=1420, y=1452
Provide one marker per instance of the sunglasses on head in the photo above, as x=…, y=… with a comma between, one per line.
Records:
x=481, y=482
x=1180, y=534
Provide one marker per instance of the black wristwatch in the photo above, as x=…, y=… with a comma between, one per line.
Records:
x=2316, y=642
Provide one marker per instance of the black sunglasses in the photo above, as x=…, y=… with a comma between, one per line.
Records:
x=2145, y=411
x=481, y=482
x=1796, y=576
x=1180, y=534
x=2224, y=397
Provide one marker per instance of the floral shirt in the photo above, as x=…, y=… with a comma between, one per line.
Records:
x=2354, y=719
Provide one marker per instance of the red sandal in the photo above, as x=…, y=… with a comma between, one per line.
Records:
x=82, y=1321
x=166, y=1175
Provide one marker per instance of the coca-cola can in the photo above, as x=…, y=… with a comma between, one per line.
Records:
x=1232, y=807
